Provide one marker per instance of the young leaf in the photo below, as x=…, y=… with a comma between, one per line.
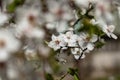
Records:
x=99, y=44
x=49, y=77
x=76, y=77
x=12, y=7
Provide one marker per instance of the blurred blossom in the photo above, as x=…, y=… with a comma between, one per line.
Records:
x=103, y=11
x=12, y=72
x=44, y=51
x=3, y=17
x=6, y=44
x=51, y=25
x=118, y=11
x=4, y=56
x=30, y=54
x=30, y=14
x=82, y=3
x=61, y=26
x=60, y=14
x=49, y=17
x=60, y=9
x=28, y=24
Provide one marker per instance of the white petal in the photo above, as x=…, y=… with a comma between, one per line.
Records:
x=53, y=37
x=71, y=44
x=94, y=38
x=111, y=28
x=62, y=43
x=56, y=47
x=64, y=48
x=93, y=22
x=73, y=51
x=83, y=56
x=69, y=33
x=4, y=55
x=3, y=18
x=50, y=25
x=77, y=56
x=50, y=44
x=114, y=36
x=90, y=46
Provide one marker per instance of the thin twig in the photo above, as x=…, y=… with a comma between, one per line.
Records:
x=64, y=76
x=82, y=53
x=89, y=9
x=77, y=21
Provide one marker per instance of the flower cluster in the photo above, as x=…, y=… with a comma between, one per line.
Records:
x=78, y=44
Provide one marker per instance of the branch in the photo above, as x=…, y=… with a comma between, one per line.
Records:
x=64, y=76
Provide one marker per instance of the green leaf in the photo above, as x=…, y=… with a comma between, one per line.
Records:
x=49, y=77
x=90, y=28
x=72, y=71
x=76, y=77
x=12, y=7
x=99, y=44
x=46, y=42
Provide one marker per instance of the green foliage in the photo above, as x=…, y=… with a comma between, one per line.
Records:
x=76, y=77
x=99, y=44
x=53, y=63
x=74, y=73
x=49, y=77
x=86, y=26
x=117, y=77
x=90, y=28
x=11, y=7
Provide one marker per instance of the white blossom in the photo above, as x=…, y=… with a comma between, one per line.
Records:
x=87, y=42
x=70, y=38
x=77, y=53
x=57, y=42
x=109, y=31
x=30, y=54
